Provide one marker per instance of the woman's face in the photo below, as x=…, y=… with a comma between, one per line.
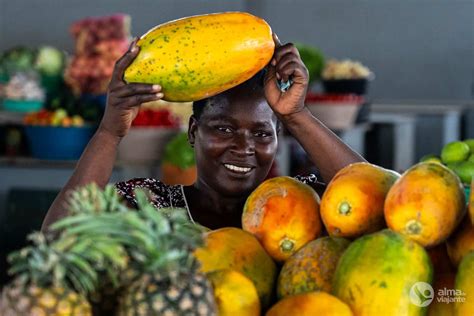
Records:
x=235, y=142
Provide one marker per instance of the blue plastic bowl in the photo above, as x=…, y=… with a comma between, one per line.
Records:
x=58, y=143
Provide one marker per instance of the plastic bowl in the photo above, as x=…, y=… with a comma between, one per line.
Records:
x=22, y=105
x=356, y=86
x=58, y=143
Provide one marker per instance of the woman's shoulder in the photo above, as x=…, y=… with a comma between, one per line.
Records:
x=160, y=194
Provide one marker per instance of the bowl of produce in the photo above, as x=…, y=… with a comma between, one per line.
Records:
x=345, y=76
x=56, y=136
x=150, y=132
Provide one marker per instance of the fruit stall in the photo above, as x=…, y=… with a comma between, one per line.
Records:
x=374, y=240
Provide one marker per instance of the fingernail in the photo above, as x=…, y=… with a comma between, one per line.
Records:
x=274, y=62
x=156, y=87
x=134, y=49
x=159, y=95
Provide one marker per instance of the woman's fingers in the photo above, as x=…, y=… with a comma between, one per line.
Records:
x=124, y=62
x=293, y=70
x=132, y=89
x=138, y=99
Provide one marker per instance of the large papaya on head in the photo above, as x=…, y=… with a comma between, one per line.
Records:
x=426, y=203
x=200, y=56
x=352, y=204
x=376, y=272
x=234, y=248
x=283, y=213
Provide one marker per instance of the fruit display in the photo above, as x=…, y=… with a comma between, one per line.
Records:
x=99, y=43
x=200, y=56
x=345, y=69
x=411, y=209
x=283, y=213
x=156, y=117
x=353, y=203
x=178, y=165
x=105, y=259
x=457, y=156
x=53, y=118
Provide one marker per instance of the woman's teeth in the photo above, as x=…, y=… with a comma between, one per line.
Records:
x=238, y=169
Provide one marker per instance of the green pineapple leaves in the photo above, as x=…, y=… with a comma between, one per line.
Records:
x=102, y=234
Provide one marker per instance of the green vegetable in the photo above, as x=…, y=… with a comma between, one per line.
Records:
x=50, y=61
x=313, y=59
x=179, y=153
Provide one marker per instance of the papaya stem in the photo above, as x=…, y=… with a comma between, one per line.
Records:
x=413, y=227
x=344, y=208
x=287, y=245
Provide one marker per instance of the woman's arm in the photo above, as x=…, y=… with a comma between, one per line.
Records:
x=323, y=147
x=97, y=160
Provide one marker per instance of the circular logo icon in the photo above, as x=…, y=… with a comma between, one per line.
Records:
x=421, y=294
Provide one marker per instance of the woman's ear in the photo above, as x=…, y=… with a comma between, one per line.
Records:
x=192, y=127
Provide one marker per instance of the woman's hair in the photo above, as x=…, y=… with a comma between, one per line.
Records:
x=253, y=84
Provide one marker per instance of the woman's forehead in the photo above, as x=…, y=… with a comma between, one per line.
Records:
x=239, y=106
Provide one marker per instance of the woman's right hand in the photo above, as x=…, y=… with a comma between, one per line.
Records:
x=124, y=100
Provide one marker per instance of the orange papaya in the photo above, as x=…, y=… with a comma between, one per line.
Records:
x=426, y=203
x=283, y=213
x=461, y=242
x=376, y=272
x=310, y=304
x=464, y=303
x=353, y=202
x=312, y=267
x=234, y=248
x=200, y=56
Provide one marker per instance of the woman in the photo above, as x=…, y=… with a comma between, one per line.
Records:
x=234, y=135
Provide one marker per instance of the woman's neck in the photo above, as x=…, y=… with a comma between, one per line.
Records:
x=211, y=209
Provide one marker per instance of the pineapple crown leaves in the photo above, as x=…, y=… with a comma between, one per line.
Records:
x=155, y=240
x=63, y=262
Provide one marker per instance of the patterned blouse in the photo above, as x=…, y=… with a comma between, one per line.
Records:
x=163, y=195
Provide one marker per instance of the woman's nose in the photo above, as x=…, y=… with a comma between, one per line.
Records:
x=243, y=144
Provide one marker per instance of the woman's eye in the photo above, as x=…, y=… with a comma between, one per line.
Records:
x=224, y=129
x=263, y=134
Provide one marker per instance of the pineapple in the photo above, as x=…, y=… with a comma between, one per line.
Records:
x=58, y=272
x=162, y=277
x=170, y=283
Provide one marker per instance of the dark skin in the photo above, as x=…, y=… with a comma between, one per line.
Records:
x=239, y=131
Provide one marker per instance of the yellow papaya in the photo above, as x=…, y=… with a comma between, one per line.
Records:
x=353, y=202
x=461, y=242
x=234, y=248
x=200, y=56
x=310, y=304
x=312, y=267
x=376, y=272
x=464, y=303
x=426, y=203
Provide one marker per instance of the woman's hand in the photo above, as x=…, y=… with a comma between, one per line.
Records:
x=286, y=64
x=124, y=100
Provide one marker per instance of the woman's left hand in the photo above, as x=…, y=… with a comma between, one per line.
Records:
x=286, y=64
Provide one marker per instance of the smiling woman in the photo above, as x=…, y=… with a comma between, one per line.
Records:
x=234, y=135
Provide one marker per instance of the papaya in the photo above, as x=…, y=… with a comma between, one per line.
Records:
x=376, y=272
x=425, y=204
x=471, y=202
x=442, y=305
x=235, y=294
x=312, y=267
x=200, y=56
x=234, y=248
x=464, y=303
x=310, y=304
x=461, y=241
x=440, y=259
x=283, y=213
x=353, y=202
